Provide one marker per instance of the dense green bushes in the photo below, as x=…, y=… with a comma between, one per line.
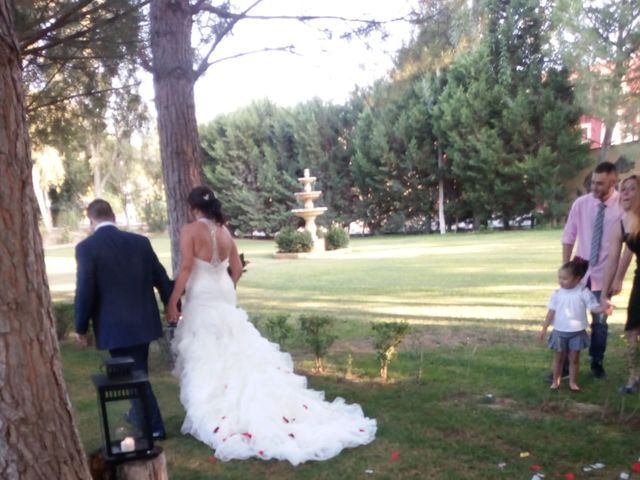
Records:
x=335, y=238
x=290, y=240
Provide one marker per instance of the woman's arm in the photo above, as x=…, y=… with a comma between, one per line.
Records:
x=235, y=264
x=186, y=264
x=615, y=245
x=623, y=266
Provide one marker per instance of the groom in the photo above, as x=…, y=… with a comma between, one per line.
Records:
x=116, y=275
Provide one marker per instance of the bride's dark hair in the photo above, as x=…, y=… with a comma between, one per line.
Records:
x=204, y=200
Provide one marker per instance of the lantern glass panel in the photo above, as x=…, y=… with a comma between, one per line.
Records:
x=127, y=429
x=125, y=415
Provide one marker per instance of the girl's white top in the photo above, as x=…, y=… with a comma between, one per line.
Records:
x=570, y=306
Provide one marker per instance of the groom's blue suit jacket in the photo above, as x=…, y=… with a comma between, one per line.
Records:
x=116, y=276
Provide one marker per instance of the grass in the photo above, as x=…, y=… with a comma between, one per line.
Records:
x=476, y=303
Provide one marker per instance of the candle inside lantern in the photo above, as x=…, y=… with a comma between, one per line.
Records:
x=128, y=444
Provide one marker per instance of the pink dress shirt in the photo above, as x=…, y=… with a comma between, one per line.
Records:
x=579, y=227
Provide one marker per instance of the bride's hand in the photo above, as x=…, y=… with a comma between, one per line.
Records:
x=171, y=313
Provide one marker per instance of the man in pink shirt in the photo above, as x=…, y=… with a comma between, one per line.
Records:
x=582, y=226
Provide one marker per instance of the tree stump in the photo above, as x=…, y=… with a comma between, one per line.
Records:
x=147, y=469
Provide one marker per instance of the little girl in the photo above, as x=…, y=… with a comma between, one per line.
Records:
x=568, y=313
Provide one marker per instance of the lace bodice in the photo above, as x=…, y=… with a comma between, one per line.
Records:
x=215, y=257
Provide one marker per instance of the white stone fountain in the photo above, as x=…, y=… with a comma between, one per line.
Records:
x=309, y=212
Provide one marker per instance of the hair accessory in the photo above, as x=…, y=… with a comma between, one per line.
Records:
x=206, y=196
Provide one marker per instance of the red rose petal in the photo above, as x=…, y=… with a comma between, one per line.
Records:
x=247, y=434
x=286, y=420
x=395, y=455
x=261, y=453
x=212, y=459
x=635, y=467
x=536, y=468
x=569, y=476
x=305, y=407
x=292, y=435
x=215, y=430
x=361, y=429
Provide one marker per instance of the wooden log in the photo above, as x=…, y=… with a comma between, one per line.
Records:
x=147, y=469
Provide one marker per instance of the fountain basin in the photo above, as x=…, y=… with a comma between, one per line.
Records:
x=309, y=212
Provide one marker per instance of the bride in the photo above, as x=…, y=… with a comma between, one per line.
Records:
x=239, y=391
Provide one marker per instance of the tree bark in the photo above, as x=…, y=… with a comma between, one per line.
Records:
x=606, y=143
x=150, y=469
x=173, y=81
x=38, y=436
x=441, y=220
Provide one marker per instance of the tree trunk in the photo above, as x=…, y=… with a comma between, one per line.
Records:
x=441, y=222
x=42, y=198
x=173, y=82
x=149, y=469
x=38, y=437
x=606, y=142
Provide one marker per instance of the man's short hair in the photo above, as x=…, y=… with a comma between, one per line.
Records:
x=100, y=210
x=606, y=167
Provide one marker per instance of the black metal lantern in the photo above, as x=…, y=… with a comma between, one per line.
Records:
x=124, y=410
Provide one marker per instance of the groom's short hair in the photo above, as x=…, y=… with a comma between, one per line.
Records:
x=100, y=210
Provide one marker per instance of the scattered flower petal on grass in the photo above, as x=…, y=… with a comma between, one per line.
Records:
x=597, y=466
x=624, y=476
x=536, y=468
x=524, y=454
x=369, y=471
x=395, y=455
x=212, y=459
x=502, y=465
x=569, y=476
x=635, y=467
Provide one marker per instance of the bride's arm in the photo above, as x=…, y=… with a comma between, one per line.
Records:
x=186, y=264
x=235, y=264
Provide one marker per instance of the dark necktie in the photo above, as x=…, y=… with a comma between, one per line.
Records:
x=596, y=239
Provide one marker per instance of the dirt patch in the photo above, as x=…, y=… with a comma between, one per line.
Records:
x=427, y=337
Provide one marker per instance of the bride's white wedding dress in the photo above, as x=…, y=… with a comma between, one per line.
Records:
x=238, y=389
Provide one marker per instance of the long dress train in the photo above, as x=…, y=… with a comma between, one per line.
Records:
x=239, y=390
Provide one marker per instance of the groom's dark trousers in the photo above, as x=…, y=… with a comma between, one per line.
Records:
x=117, y=273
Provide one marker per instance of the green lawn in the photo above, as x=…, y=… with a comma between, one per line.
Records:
x=476, y=303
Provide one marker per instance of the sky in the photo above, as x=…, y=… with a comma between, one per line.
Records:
x=329, y=69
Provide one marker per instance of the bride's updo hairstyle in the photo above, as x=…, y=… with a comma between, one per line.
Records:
x=204, y=200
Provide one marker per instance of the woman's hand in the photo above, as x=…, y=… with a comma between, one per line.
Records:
x=171, y=312
x=606, y=306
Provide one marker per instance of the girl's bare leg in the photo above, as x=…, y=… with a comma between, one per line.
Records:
x=574, y=369
x=558, y=361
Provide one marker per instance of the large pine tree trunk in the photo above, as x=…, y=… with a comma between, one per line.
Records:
x=38, y=437
x=173, y=82
x=606, y=143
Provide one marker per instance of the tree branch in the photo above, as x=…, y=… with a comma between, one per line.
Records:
x=64, y=18
x=205, y=64
x=80, y=33
x=58, y=100
x=286, y=48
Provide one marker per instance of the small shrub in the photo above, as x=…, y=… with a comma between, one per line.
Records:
x=336, y=237
x=278, y=329
x=154, y=214
x=387, y=336
x=316, y=332
x=63, y=313
x=290, y=240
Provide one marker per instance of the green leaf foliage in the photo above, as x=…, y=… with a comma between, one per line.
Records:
x=386, y=338
x=317, y=334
